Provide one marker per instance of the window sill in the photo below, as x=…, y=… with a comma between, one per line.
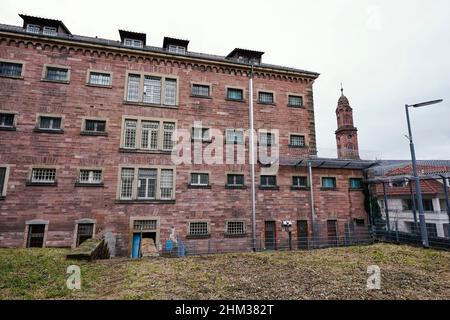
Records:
x=201, y=140
x=190, y=186
x=329, y=189
x=275, y=188
x=56, y=81
x=99, y=86
x=267, y=103
x=90, y=185
x=124, y=150
x=300, y=188
x=234, y=143
x=231, y=235
x=297, y=147
x=296, y=107
x=201, y=97
x=38, y=130
x=2, y=198
x=142, y=104
x=136, y=201
x=235, y=100
x=206, y=236
x=7, y=128
x=89, y=133
x=41, y=184
x=235, y=187
x=267, y=145
x=12, y=77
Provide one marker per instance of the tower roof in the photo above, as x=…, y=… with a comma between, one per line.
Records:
x=343, y=101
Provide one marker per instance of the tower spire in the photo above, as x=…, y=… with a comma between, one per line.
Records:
x=342, y=90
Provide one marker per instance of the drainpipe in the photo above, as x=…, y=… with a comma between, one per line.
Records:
x=313, y=210
x=252, y=159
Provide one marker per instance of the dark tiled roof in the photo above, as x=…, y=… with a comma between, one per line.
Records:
x=428, y=187
x=117, y=44
x=44, y=20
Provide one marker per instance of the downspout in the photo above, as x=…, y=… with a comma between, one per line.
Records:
x=252, y=160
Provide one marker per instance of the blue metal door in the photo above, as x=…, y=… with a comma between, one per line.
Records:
x=136, y=250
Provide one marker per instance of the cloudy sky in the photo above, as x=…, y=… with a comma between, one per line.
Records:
x=386, y=53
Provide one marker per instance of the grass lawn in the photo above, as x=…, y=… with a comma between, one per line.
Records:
x=335, y=273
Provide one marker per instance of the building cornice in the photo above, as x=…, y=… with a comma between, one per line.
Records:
x=139, y=55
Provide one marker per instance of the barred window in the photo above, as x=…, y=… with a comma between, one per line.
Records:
x=199, y=179
x=177, y=49
x=9, y=69
x=33, y=28
x=143, y=225
x=235, y=94
x=57, y=74
x=147, y=183
x=295, y=101
x=152, y=90
x=235, y=179
x=2, y=180
x=201, y=134
x=171, y=92
x=7, y=120
x=133, y=43
x=43, y=175
x=268, y=181
x=100, y=79
x=133, y=87
x=85, y=231
x=90, y=176
x=126, y=186
x=168, y=135
x=198, y=229
x=235, y=136
x=328, y=183
x=265, y=97
x=166, y=184
x=49, y=123
x=36, y=234
x=129, y=138
x=149, y=135
x=235, y=227
x=299, y=182
x=267, y=139
x=297, y=141
x=200, y=90
x=95, y=126
x=50, y=31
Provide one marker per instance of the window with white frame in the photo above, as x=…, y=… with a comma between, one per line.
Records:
x=296, y=140
x=49, y=31
x=151, y=90
x=90, y=176
x=266, y=139
x=154, y=134
x=43, y=175
x=148, y=180
x=199, y=228
x=95, y=126
x=177, y=49
x=295, y=101
x=235, y=136
x=268, y=181
x=147, y=183
x=49, y=123
x=199, y=179
x=235, y=180
x=10, y=69
x=235, y=227
x=33, y=28
x=99, y=79
x=133, y=43
x=7, y=120
x=201, y=134
x=57, y=74
x=200, y=90
x=265, y=97
x=2, y=181
x=299, y=182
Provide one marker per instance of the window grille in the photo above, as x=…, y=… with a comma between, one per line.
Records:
x=166, y=184
x=90, y=176
x=133, y=87
x=8, y=69
x=147, y=183
x=198, y=228
x=265, y=97
x=127, y=177
x=129, y=140
x=235, y=227
x=43, y=175
x=57, y=74
x=100, y=79
x=152, y=90
x=149, y=135
x=171, y=92
x=200, y=90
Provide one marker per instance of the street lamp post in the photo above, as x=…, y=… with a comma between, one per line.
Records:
x=423, y=227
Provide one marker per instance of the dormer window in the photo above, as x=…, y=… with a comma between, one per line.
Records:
x=133, y=43
x=177, y=49
x=246, y=56
x=50, y=31
x=33, y=28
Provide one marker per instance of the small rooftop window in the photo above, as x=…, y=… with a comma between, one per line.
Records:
x=246, y=56
x=174, y=45
x=48, y=27
x=133, y=39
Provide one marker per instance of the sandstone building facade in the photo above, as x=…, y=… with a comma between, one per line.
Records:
x=87, y=132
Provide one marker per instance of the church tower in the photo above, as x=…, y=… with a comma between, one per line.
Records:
x=346, y=133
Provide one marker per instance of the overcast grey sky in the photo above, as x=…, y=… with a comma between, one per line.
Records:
x=387, y=53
